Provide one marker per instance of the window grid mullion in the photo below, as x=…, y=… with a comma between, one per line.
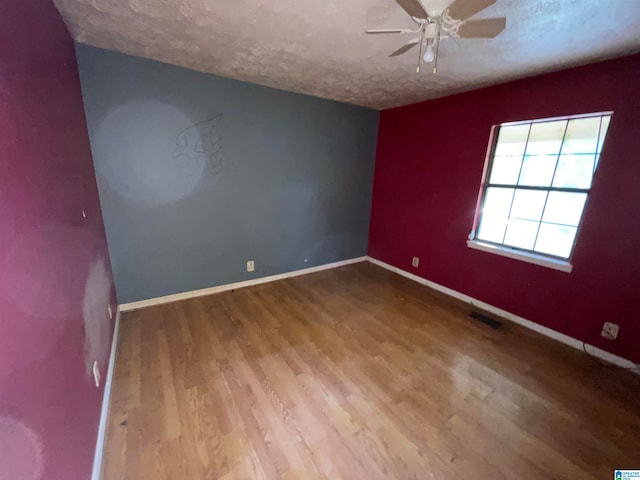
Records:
x=543, y=189
x=524, y=153
x=548, y=223
x=564, y=137
x=546, y=199
x=555, y=170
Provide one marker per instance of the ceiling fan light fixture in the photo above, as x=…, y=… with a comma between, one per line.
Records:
x=429, y=54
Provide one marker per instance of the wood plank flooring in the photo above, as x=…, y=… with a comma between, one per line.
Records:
x=357, y=373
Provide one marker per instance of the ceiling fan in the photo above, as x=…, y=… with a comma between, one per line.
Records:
x=453, y=22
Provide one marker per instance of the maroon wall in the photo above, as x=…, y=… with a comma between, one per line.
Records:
x=55, y=278
x=428, y=170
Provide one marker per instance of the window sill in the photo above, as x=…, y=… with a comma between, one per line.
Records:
x=541, y=260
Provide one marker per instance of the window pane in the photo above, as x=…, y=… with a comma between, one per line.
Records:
x=537, y=171
x=521, y=233
x=564, y=207
x=528, y=204
x=555, y=240
x=582, y=135
x=505, y=170
x=497, y=202
x=495, y=212
x=512, y=140
x=492, y=228
x=603, y=131
x=574, y=171
x=546, y=138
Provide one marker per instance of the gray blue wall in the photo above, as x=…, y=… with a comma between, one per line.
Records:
x=198, y=174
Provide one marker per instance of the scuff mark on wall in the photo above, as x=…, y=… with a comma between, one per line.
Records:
x=97, y=324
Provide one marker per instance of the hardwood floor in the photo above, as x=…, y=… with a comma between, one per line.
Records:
x=357, y=373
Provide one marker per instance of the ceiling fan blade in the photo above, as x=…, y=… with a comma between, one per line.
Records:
x=463, y=9
x=486, y=28
x=413, y=8
x=387, y=31
x=406, y=48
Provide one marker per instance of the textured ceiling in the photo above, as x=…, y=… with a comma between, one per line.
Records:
x=319, y=48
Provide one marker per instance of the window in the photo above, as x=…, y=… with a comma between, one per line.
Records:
x=537, y=185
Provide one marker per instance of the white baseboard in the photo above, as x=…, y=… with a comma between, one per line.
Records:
x=567, y=340
x=127, y=307
x=106, y=396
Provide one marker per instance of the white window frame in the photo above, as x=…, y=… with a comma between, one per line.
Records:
x=545, y=260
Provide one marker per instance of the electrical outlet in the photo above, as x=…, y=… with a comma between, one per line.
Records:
x=110, y=312
x=96, y=373
x=415, y=262
x=250, y=266
x=610, y=330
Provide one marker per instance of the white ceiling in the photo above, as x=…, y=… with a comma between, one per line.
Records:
x=318, y=47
